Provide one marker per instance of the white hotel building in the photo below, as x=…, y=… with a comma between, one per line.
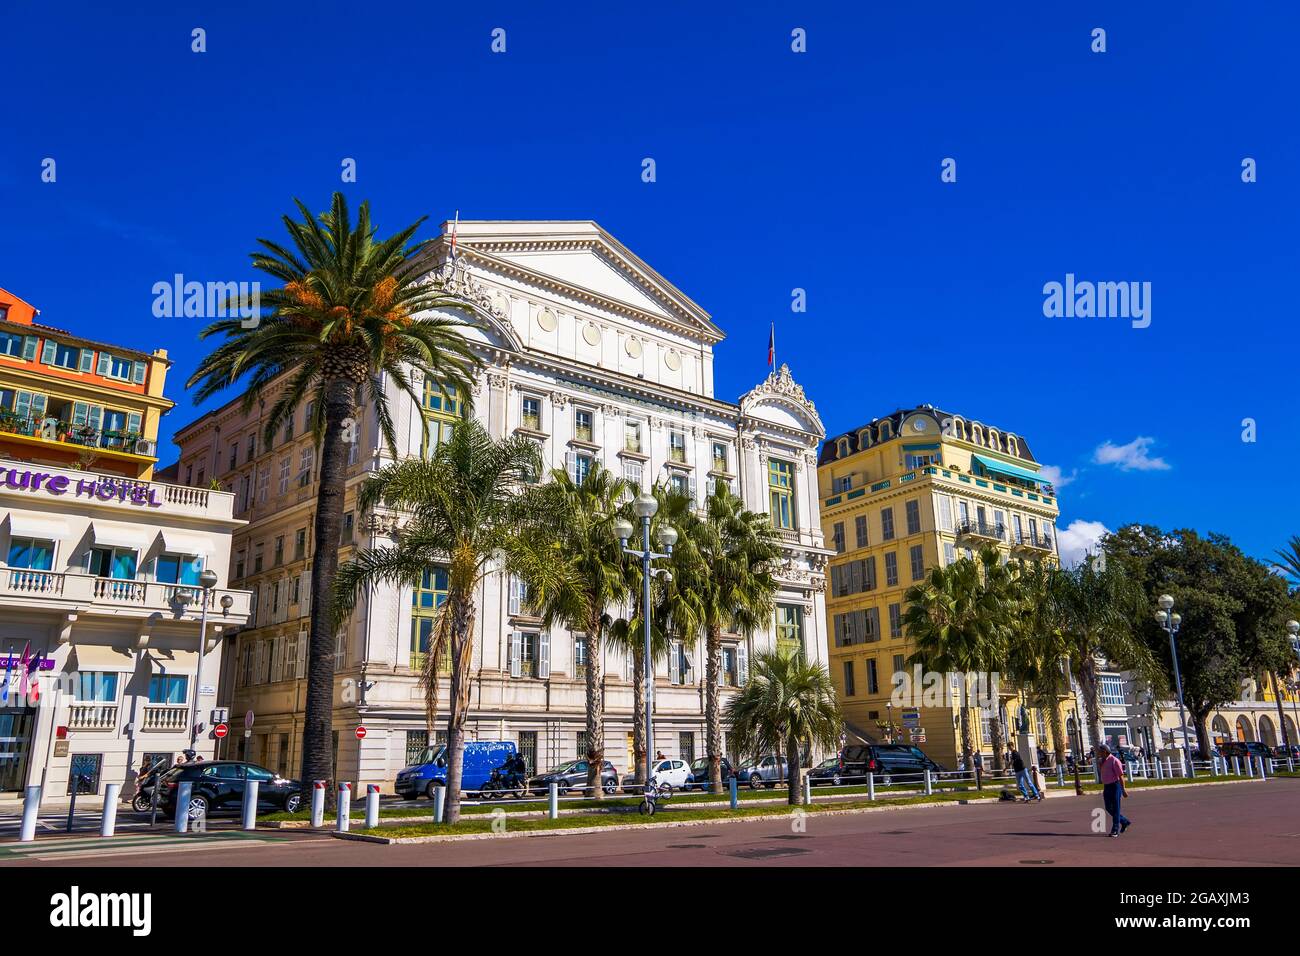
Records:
x=98, y=577
x=596, y=357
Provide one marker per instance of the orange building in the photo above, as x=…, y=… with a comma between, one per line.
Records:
x=71, y=402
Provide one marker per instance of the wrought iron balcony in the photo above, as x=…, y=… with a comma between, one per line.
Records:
x=982, y=530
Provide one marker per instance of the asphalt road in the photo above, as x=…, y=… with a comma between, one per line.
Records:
x=1246, y=824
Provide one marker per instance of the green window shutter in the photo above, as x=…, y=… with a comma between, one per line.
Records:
x=133, y=423
x=86, y=360
x=38, y=405
x=48, y=352
x=96, y=417
x=29, y=347
x=23, y=404
x=137, y=373
x=80, y=412
x=104, y=366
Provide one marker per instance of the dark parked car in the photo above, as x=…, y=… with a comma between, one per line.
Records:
x=218, y=786
x=1242, y=749
x=1282, y=751
x=885, y=760
x=572, y=776
x=700, y=774
x=828, y=772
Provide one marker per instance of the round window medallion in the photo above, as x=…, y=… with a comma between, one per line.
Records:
x=633, y=348
x=546, y=320
x=591, y=334
x=673, y=360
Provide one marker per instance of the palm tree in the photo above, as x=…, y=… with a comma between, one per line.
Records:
x=735, y=552
x=1289, y=559
x=1037, y=653
x=1101, y=609
x=787, y=701
x=674, y=612
x=957, y=620
x=579, y=517
x=464, y=513
x=347, y=308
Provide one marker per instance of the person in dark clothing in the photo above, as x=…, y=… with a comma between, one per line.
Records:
x=1024, y=780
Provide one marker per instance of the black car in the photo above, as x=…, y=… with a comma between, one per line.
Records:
x=1283, y=752
x=700, y=774
x=828, y=773
x=1243, y=749
x=885, y=760
x=218, y=786
x=572, y=776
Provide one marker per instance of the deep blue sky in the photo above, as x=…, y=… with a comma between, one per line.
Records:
x=776, y=170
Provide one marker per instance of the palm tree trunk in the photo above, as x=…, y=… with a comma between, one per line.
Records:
x=638, y=717
x=794, y=786
x=1201, y=722
x=1090, y=688
x=1057, y=727
x=595, y=713
x=712, y=717
x=462, y=643
x=317, y=737
x=999, y=737
x=1283, y=738
x=967, y=751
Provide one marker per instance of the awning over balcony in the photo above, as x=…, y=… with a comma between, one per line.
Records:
x=173, y=661
x=28, y=525
x=99, y=657
x=108, y=534
x=993, y=466
x=186, y=542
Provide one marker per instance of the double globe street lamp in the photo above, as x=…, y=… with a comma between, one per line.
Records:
x=1171, y=621
x=645, y=506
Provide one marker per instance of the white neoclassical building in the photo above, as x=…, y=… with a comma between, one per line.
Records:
x=596, y=357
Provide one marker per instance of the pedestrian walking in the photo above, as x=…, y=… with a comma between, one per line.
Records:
x=1113, y=790
x=1023, y=779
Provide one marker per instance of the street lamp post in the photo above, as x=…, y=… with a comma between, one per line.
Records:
x=207, y=581
x=1078, y=754
x=1171, y=622
x=1293, y=628
x=645, y=507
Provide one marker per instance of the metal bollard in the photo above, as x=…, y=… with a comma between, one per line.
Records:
x=1169, y=767
x=807, y=789
x=1145, y=773
x=1060, y=775
x=318, y=803
x=31, y=810
x=372, y=805
x=735, y=799
x=1250, y=767
x=1214, y=764
x=553, y=800
x=1096, y=773
x=1290, y=765
x=929, y=787
x=344, y=818
x=183, y=791
x=871, y=786
x=1262, y=772
x=109, y=821
x=1160, y=774
x=1236, y=767
x=251, y=788
x=439, y=804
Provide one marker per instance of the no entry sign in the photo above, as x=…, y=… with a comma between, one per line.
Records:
x=361, y=733
x=220, y=731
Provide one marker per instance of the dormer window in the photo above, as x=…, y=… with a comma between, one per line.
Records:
x=843, y=448
x=864, y=438
x=886, y=430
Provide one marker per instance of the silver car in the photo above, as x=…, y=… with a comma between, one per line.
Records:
x=766, y=771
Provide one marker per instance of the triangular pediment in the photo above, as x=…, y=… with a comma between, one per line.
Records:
x=583, y=258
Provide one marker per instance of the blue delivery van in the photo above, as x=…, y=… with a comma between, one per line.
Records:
x=430, y=768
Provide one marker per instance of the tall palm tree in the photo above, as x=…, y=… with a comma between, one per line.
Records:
x=787, y=701
x=1289, y=559
x=347, y=306
x=463, y=513
x=957, y=621
x=1101, y=609
x=674, y=615
x=579, y=516
x=1038, y=651
x=732, y=579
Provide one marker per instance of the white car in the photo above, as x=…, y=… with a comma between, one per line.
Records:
x=673, y=773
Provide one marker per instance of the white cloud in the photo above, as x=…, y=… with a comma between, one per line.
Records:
x=1130, y=457
x=1058, y=478
x=1078, y=539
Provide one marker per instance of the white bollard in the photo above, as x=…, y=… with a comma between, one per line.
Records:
x=183, y=791
x=1250, y=767
x=1160, y=774
x=1290, y=765
x=31, y=810
x=318, y=803
x=929, y=786
x=1060, y=775
x=807, y=789
x=109, y=821
x=553, y=800
x=344, y=818
x=871, y=786
x=372, y=805
x=1169, y=767
x=1236, y=767
x=1262, y=772
x=1214, y=764
x=439, y=804
x=251, y=787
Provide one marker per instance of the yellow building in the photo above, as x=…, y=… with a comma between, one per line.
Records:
x=74, y=403
x=900, y=495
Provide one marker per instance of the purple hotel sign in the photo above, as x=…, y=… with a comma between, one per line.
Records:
x=105, y=489
x=14, y=661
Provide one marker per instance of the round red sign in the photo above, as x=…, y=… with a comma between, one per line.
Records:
x=220, y=731
x=361, y=732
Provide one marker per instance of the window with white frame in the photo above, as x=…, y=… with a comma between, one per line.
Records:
x=530, y=413
x=1112, y=690
x=676, y=446
x=284, y=475
x=632, y=437
x=582, y=425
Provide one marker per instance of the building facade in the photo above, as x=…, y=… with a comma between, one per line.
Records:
x=71, y=402
x=902, y=494
x=596, y=357
x=100, y=588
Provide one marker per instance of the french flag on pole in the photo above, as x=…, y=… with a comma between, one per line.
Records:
x=454, y=225
x=771, y=347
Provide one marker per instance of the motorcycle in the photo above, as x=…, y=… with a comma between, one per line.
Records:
x=501, y=785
